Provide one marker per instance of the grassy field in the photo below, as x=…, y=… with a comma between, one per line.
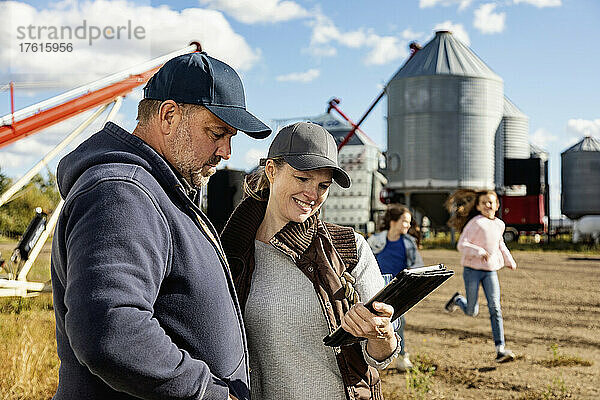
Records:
x=551, y=305
x=560, y=243
x=27, y=343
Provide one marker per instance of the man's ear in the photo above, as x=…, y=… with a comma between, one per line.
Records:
x=170, y=115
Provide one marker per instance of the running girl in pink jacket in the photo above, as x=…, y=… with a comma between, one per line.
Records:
x=483, y=253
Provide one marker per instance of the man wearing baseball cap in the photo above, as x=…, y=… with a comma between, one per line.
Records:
x=144, y=302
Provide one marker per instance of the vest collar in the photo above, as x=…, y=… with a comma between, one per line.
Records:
x=240, y=232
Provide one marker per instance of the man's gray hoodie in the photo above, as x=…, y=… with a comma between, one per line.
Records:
x=144, y=302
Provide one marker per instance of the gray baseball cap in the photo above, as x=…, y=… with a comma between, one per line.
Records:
x=307, y=146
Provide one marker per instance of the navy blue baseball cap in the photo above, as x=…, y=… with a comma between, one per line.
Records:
x=196, y=78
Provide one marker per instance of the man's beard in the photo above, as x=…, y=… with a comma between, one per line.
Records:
x=184, y=159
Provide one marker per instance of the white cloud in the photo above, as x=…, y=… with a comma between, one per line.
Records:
x=385, y=49
x=381, y=49
x=571, y=142
x=541, y=3
x=253, y=11
x=32, y=145
x=457, y=30
x=122, y=119
x=409, y=34
x=322, y=51
x=487, y=21
x=9, y=160
x=165, y=30
x=303, y=77
x=20, y=156
x=541, y=137
x=136, y=94
x=253, y=155
x=584, y=127
x=462, y=4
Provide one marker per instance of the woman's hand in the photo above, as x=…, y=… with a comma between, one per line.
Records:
x=377, y=328
x=485, y=256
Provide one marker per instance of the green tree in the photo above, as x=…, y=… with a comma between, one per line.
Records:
x=16, y=213
x=5, y=182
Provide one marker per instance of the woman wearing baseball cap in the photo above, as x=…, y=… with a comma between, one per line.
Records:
x=299, y=278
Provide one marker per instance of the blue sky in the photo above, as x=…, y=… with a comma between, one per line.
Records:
x=295, y=55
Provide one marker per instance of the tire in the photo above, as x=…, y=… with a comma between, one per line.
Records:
x=510, y=235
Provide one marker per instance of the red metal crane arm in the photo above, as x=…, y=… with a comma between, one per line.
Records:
x=30, y=125
x=333, y=104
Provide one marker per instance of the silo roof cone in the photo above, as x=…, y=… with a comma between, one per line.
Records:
x=588, y=143
x=446, y=55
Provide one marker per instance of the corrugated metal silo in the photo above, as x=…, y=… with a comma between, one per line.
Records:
x=580, y=178
x=515, y=125
x=444, y=107
x=538, y=152
x=512, y=138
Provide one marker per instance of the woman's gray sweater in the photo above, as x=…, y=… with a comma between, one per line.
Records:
x=286, y=326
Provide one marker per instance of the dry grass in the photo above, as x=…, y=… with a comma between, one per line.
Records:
x=27, y=342
x=419, y=378
x=557, y=390
x=565, y=361
x=27, y=349
x=560, y=243
x=551, y=298
x=561, y=360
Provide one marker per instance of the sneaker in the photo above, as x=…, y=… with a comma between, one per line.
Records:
x=505, y=356
x=451, y=304
x=403, y=363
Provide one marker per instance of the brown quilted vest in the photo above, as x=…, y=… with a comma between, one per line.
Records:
x=322, y=251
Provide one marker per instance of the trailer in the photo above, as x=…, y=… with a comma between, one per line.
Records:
x=523, y=215
x=525, y=203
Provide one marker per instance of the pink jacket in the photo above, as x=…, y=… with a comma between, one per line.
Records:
x=483, y=236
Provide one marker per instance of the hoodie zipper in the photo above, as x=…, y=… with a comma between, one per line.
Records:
x=210, y=235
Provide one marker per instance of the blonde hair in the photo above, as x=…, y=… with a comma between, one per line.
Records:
x=256, y=185
x=462, y=206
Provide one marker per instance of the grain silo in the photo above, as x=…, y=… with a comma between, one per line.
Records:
x=538, y=152
x=580, y=179
x=444, y=108
x=512, y=139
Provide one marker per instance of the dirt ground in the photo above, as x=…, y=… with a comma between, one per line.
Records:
x=551, y=308
x=552, y=299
